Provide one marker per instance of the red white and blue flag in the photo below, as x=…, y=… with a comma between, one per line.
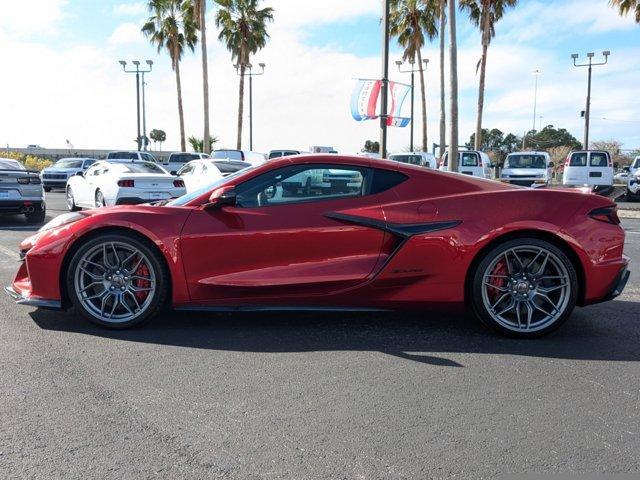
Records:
x=364, y=101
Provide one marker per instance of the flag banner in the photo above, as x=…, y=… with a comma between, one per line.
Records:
x=364, y=99
x=365, y=96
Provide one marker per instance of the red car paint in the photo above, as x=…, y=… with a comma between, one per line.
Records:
x=343, y=252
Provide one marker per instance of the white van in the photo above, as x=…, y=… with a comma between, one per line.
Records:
x=470, y=162
x=422, y=159
x=527, y=169
x=592, y=168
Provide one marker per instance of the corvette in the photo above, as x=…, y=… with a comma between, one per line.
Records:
x=392, y=236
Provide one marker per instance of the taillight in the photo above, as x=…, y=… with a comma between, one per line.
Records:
x=23, y=180
x=35, y=180
x=566, y=162
x=606, y=214
x=126, y=183
x=610, y=163
x=178, y=183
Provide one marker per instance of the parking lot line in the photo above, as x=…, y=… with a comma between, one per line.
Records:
x=9, y=253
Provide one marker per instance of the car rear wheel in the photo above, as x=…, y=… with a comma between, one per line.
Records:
x=99, y=201
x=71, y=201
x=524, y=288
x=117, y=281
x=37, y=215
x=47, y=189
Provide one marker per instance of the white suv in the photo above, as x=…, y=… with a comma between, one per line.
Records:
x=527, y=169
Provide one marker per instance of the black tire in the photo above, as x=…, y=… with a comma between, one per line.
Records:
x=47, y=189
x=477, y=285
x=162, y=279
x=71, y=201
x=630, y=197
x=99, y=200
x=37, y=216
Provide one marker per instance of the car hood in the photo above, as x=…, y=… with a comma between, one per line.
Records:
x=60, y=170
x=523, y=171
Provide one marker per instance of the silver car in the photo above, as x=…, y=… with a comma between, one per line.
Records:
x=21, y=191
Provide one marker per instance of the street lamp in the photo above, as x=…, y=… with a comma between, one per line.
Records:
x=589, y=64
x=138, y=71
x=536, y=72
x=412, y=71
x=251, y=74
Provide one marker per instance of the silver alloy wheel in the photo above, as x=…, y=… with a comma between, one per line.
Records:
x=526, y=288
x=70, y=200
x=115, y=282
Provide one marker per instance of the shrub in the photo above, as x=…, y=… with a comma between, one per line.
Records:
x=30, y=162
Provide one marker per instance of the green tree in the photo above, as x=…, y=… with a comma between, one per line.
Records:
x=410, y=21
x=197, y=144
x=243, y=29
x=371, y=146
x=171, y=27
x=550, y=137
x=158, y=136
x=626, y=6
x=496, y=142
x=199, y=17
x=484, y=14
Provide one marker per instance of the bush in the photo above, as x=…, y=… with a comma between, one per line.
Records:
x=30, y=162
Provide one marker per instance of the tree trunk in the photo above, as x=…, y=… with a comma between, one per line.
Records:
x=240, y=107
x=183, y=143
x=205, y=76
x=425, y=146
x=443, y=125
x=483, y=69
x=453, y=86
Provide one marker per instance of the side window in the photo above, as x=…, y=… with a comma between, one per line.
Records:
x=385, y=179
x=578, y=160
x=87, y=164
x=186, y=170
x=598, y=159
x=92, y=171
x=303, y=183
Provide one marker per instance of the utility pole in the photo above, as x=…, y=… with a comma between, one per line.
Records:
x=590, y=64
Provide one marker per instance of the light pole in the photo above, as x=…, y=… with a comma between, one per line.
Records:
x=587, y=111
x=251, y=74
x=536, y=73
x=384, y=94
x=412, y=71
x=138, y=72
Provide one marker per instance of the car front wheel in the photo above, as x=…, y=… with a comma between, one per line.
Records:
x=117, y=281
x=524, y=288
x=71, y=201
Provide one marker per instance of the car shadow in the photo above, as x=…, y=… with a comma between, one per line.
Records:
x=19, y=223
x=601, y=332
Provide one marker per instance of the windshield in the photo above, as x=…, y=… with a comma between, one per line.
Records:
x=525, y=161
x=230, y=154
x=183, y=200
x=69, y=163
x=139, y=167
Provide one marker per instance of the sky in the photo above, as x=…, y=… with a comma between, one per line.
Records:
x=61, y=78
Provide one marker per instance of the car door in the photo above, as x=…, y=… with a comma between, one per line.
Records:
x=272, y=243
x=600, y=172
x=470, y=164
x=576, y=172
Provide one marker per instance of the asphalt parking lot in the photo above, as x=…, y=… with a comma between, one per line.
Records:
x=308, y=395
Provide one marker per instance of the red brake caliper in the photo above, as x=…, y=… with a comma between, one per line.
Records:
x=498, y=282
x=142, y=271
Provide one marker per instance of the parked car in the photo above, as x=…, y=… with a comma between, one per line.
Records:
x=131, y=155
x=633, y=187
x=199, y=173
x=422, y=159
x=254, y=158
x=282, y=153
x=407, y=237
x=177, y=160
x=635, y=165
x=621, y=176
x=527, y=169
x=470, y=162
x=591, y=168
x=121, y=183
x=56, y=176
x=21, y=191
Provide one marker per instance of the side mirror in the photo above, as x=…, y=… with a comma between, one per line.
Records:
x=551, y=165
x=222, y=197
x=80, y=173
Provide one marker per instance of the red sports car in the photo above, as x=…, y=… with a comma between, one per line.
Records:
x=332, y=232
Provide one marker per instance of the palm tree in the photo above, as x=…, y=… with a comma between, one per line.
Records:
x=484, y=14
x=625, y=6
x=171, y=26
x=244, y=31
x=410, y=20
x=199, y=12
x=443, y=126
x=453, y=88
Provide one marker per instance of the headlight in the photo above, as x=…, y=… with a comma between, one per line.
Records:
x=61, y=220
